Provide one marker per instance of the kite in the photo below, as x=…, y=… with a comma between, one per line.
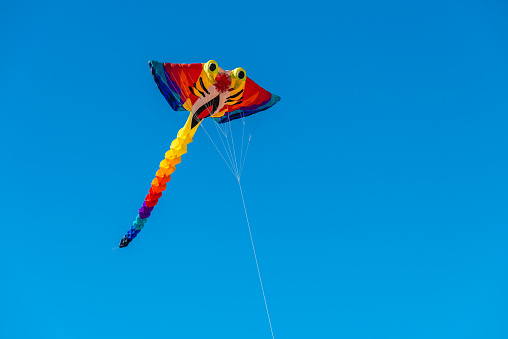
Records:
x=205, y=90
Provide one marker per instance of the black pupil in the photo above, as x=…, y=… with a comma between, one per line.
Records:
x=241, y=75
x=213, y=67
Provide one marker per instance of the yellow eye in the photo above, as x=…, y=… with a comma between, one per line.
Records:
x=239, y=73
x=211, y=66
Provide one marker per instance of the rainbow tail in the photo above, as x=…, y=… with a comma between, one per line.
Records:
x=162, y=177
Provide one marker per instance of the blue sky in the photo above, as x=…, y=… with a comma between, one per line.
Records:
x=376, y=189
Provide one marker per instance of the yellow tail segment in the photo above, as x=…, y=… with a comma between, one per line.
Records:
x=162, y=177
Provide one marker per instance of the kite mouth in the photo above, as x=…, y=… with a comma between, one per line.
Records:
x=206, y=110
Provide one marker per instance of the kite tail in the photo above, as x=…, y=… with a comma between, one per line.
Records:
x=162, y=177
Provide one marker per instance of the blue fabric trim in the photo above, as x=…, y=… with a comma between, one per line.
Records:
x=241, y=113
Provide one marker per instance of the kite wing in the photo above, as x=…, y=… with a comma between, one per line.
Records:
x=254, y=99
x=177, y=82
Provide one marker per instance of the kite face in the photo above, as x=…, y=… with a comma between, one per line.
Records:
x=209, y=91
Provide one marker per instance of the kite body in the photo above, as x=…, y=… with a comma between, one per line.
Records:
x=205, y=90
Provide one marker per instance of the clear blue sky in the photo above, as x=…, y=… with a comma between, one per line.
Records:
x=377, y=188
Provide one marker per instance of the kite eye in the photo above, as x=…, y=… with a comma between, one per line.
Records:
x=239, y=73
x=211, y=66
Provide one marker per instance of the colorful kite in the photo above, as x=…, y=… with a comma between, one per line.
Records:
x=205, y=90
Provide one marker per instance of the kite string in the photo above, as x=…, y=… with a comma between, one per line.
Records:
x=234, y=152
x=256, y=258
x=218, y=128
x=218, y=150
x=247, y=150
x=241, y=148
x=226, y=125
